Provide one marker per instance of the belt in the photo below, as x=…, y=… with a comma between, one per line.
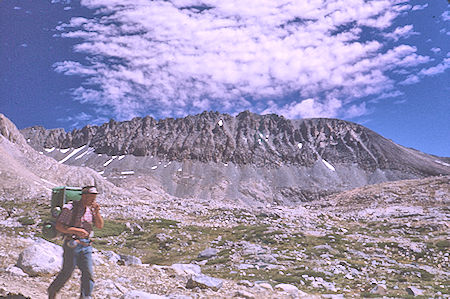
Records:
x=72, y=243
x=83, y=243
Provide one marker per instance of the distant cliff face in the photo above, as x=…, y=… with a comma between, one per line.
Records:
x=265, y=141
x=249, y=157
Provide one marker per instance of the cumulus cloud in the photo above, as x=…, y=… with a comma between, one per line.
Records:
x=176, y=57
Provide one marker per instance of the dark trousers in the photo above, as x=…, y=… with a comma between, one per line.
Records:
x=80, y=256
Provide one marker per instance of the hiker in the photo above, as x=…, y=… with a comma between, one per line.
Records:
x=76, y=223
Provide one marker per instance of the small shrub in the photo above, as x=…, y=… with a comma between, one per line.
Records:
x=444, y=244
x=26, y=220
x=222, y=260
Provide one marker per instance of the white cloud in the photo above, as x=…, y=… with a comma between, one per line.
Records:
x=172, y=58
x=420, y=7
x=61, y=1
x=438, y=69
x=426, y=72
x=435, y=50
x=411, y=79
x=305, y=109
x=446, y=15
x=82, y=118
x=401, y=32
x=388, y=95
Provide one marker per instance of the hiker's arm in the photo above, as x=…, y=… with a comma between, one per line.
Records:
x=70, y=230
x=98, y=219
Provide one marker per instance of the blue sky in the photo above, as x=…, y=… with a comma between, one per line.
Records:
x=384, y=63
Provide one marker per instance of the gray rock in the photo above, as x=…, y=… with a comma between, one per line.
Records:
x=246, y=283
x=141, y=295
x=245, y=266
x=204, y=282
x=244, y=294
x=266, y=258
x=111, y=256
x=129, y=260
x=265, y=286
x=324, y=247
x=133, y=227
x=208, y=253
x=289, y=288
x=379, y=290
x=251, y=248
x=187, y=269
x=16, y=271
x=98, y=258
x=414, y=291
x=42, y=258
x=162, y=237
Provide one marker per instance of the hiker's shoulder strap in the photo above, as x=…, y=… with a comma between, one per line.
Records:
x=75, y=210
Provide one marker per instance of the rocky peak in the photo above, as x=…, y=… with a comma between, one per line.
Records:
x=10, y=131
x=261, y=140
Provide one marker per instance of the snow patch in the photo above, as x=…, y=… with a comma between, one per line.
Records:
x=180, y=170
x=49, y=150
x=442, y=163
x=154, y=167
x=48, y=182
x=64, y=151
x=225, y=164
x=121, y=157
x=220, y=123
x=127, y=172
x=41, y=153
x=331, y=167
x=73, y=153
x=300, y=145
x=80, y=156
x=167, y=164
x=101, y=172
x=109, y=161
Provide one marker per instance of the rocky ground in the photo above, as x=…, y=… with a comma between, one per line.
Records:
x=387, y=240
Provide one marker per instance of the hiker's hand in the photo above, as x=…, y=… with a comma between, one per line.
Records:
x=81, y=233
x=95, y=207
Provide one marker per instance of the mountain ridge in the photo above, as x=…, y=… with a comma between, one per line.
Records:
x=245, y=139
x=250, y=157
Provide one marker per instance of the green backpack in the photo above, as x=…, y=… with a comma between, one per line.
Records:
x=60, y=196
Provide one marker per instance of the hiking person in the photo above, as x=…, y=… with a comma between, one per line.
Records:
x=76, y=223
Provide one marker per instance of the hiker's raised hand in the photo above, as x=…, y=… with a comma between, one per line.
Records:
x=95, y=207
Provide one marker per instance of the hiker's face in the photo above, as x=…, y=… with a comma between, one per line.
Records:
x=89, y=199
